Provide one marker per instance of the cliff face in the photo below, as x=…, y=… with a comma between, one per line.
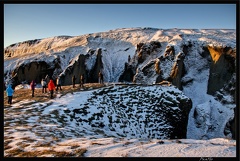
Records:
x=201, y=63
x=222, y=67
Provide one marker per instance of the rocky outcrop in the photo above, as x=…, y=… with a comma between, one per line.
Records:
x=128, y=74
x=136, y=111
x=168, y=67
x=222, y=67
x=177, y=71
x=145, y=49
x=77, y=68
x=98, y=66
x=31, y=71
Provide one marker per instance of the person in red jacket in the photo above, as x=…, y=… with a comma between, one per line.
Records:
x=51, y=87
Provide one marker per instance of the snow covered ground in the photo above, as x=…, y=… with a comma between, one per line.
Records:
x=31, y=126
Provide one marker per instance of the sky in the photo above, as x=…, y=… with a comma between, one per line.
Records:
x=24, y=22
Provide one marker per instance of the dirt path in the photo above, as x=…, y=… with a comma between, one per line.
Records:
x=22, y=94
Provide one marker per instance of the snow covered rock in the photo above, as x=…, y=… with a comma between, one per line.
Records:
x=134, y=111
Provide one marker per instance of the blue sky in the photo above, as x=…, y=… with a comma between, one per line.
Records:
x=35, y=21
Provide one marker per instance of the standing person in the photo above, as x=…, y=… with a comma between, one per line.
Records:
x=9, y=92
x=32, y=86
x=100, y=76
x=73, y=81
x=81, y=80
x=44, y=86
x=59, y=83
x=51, y=88
x=47, y=79
x=129, y=58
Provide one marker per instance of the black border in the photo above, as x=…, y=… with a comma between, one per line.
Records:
x=130, y=2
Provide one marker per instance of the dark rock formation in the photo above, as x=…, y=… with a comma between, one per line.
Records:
x=78, y=68
x=177, y=71
x=32, y=71
x=120, y=109
x=127, y=75
x=93, y=73
x=222, y=67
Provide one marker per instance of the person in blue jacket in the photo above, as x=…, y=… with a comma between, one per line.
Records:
x=10, y=92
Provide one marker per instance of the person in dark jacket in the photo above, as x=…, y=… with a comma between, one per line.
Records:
x=32, y=86
x=47, y=78
x=81, y=80
x=9, y=92
x=59, y=83
x=51, y=87
x=100, y=76
x=73, y=81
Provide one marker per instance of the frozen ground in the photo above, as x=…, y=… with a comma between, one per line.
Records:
x=38, y=129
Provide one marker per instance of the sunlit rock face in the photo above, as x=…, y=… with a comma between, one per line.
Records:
x=222, y=67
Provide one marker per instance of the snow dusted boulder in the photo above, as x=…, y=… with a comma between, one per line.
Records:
x=135, y=111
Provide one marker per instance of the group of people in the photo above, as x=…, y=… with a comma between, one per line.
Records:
x=49, y=84
x=100, y=79
x=81, y=81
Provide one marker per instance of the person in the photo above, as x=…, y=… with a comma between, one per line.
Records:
x=47, y=78
x=58, y=83
x=51, y=87
x=32, y=86
x=9, y=92
x=81, y=80
x=129, y=58
x=73, y=81
x=44, y=86
x=100, y=76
